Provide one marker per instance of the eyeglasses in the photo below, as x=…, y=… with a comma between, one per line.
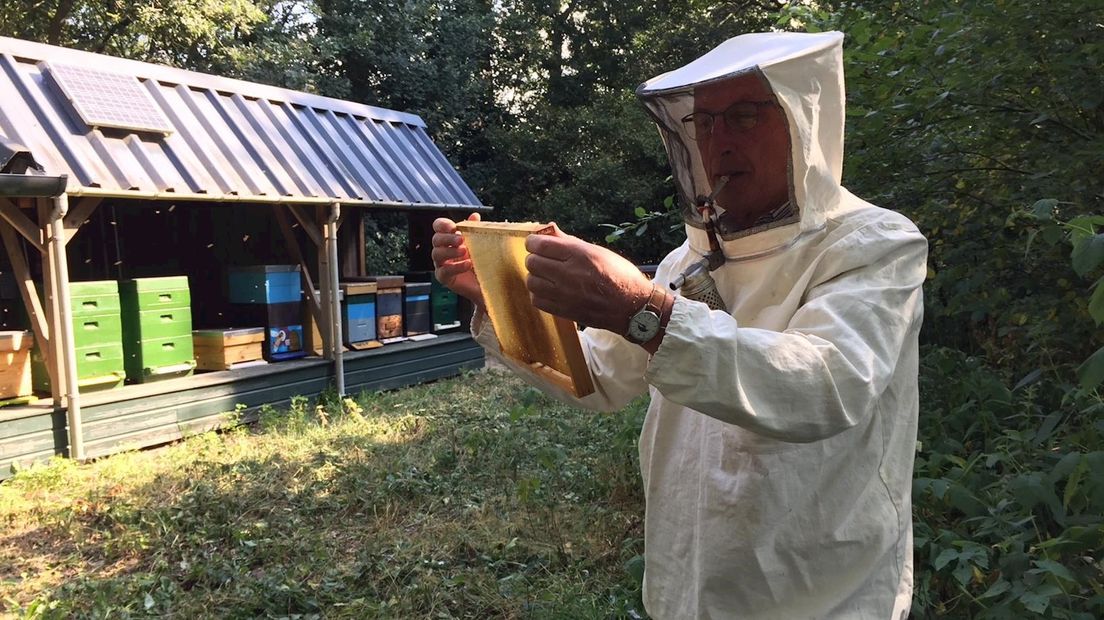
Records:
x=740, y=116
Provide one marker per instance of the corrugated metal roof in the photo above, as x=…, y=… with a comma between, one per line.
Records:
x=230, y=140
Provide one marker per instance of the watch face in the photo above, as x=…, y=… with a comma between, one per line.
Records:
x=643, y=326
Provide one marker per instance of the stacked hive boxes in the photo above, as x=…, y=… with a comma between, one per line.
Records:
x=416, y=309
x=445, y=313
x=389, y=308
x=444, y=306
x=157, y=328
x=97, y=328
x=358, y=321
x=269, y=295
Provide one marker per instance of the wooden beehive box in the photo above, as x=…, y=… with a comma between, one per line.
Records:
x=15, y=364
x=224, y=349
x=549, y=345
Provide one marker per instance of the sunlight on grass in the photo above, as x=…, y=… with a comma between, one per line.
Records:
x=471, y=497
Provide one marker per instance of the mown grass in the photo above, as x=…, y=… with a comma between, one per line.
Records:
x=474, y=497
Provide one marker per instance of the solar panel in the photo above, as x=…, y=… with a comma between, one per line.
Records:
x=105, y=99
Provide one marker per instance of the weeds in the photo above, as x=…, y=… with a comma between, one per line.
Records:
x=470, y=498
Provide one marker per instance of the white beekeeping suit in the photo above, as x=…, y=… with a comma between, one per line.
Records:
x=778, y=448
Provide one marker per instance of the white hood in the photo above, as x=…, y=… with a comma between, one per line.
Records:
x=805, y=73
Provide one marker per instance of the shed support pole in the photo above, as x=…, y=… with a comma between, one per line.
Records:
x=324, y=281
x=54, y=364
x=68, y=358
x=332, y=223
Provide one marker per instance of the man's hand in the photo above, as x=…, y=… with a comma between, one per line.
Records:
x=451, y=261
x=586, y=283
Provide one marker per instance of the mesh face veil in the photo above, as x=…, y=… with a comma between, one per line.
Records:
x=727, y=129
x=744, y=111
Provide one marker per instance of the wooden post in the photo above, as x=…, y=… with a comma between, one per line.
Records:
x=324, y=281
x=53, y=303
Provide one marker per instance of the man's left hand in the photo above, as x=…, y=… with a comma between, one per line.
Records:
x=586, y=283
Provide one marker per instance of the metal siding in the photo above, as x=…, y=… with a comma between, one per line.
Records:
x=144, y=160
x=397, y=173
x=181, y=146
x=323, y=122
x=279, y=150
x=301, y=119
x=185, y=117
x=345, y=126
x=461, y=193
x=322, y=172
x=231, y=139
x=426, y=177
x=429, y=171
x=114, y=160
x=382, y=132
x=236, y=153
x=260, y=158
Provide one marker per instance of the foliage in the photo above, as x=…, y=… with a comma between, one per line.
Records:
x=958, y=129
x=195, y=34
x=1087, y=257
x=472, y=497
x=386, y=239
x=1008, y=496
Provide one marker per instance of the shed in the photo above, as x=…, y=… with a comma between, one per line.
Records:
x=116, y=169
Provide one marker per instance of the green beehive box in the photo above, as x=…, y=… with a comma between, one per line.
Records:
x=157, y=328
x=99, y=367
x=445, y=309
x=97, y=335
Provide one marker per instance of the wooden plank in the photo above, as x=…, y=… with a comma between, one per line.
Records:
x=78, y=214
x=27, y=290
x=21, y=223
x=307, y=223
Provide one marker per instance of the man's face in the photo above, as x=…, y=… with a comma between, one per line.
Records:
x=754, y=157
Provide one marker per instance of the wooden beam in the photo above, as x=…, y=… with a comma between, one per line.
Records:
x=26, y=287
x=79, y=214
x=308, y=224
x=53, y=306
x=14, y=216
x=362, y=246
x=293, y=246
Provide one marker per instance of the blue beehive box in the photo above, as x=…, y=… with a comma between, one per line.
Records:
x=358, y=323
x=264, y=284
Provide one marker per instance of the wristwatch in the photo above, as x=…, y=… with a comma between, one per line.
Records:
x=646, y=323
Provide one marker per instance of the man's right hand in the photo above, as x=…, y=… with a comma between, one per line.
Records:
x=451, y=261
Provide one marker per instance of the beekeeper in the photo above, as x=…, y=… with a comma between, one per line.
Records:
x=778, y=448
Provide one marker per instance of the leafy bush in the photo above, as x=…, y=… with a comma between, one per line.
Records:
x=1008, y=495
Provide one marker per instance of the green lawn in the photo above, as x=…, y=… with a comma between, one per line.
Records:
x=473, y=497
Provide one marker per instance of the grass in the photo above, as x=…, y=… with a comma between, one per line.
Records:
x=474, y=497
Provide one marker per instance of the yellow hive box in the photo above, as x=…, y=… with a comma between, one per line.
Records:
x=226, y=348
x=15, y=364
x=549, y=345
